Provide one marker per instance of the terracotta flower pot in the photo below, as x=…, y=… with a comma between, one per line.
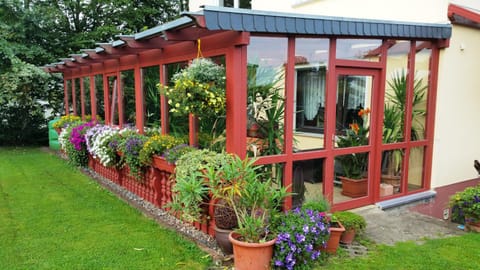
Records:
x=354, y=188
x=251, y=256
x=348, y=236
x=334, y=240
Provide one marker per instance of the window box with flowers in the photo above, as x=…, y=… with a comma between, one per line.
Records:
x=155, y=151
x=354, y=166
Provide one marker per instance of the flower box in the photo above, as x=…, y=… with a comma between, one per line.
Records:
x=161, y=164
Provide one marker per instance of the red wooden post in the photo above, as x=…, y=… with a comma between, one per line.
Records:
x=236, y=63
x=139, y=110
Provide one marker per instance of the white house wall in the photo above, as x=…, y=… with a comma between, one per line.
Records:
x=433, y=11
x=457, y=129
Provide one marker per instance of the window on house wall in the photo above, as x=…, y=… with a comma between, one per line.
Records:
x=236, y=3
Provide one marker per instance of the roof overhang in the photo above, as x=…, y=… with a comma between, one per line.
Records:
x=213, y=20
x=464, y=16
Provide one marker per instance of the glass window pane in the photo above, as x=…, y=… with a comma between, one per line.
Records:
x=391, y=167
x=419, y=104
x=351, y=181
x=353, y=110
x=128, y=88
x=177, y=125
x=151, y=78
x=99, y=95
x=86, y=95
x=307, y=180
x=78, y=97
x=69, y=96
x=311, y=60
x=415, y=168
x=266, y=58
x=359, y=49
x=113, y=98
x=395, y=92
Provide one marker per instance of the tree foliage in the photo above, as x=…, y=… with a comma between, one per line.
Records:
x=37, y=32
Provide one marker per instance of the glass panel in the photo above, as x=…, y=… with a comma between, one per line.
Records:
x=113, y=98
x=246, y=4
x=311, y=60
x=359, y=49
x=392, y=161
x=394, y=109
x=415, y=168
x=86, y=95
x=212, y=128
x=128, y=88
x=266, y=58
x=151, y=77
x=307, y=181
x=69, y=96
x=351, y=180
x=78, y=97
x=353, y=110
x=99, y=95
x=419, y=104
x=178, y=125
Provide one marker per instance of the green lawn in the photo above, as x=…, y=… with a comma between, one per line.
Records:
x=461, y=252
x=54, y=217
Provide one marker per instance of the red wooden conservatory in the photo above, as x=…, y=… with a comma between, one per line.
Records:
x=323, y=90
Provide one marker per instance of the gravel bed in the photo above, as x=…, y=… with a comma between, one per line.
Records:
x=205, y=241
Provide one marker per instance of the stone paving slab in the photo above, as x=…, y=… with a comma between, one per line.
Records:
x=401, y=224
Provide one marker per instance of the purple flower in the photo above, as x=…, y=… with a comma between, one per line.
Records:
x=300, y=237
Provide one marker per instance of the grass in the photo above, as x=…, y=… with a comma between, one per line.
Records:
x=54, y=217
x=460, y=252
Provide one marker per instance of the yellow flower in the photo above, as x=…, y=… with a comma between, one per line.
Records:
x=177, y=105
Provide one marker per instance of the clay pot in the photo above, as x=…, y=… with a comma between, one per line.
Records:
x=347, y=237
x=251, y=256
x=221, y=236
x=334, y=240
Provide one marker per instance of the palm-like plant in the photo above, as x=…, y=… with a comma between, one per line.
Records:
x=398, y=98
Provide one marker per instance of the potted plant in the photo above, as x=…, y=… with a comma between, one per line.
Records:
x=153, y=150
x=130, y=145
x=255, y=201
x=198, y=89
x=353, y=224
x=354, y=166
x=465, y=207
x=335, y=228
x=72, y=140
x=65, y=121
x=300, y=232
